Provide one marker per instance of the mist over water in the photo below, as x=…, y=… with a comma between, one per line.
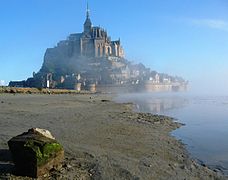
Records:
x=208, y=81
x=205, y=117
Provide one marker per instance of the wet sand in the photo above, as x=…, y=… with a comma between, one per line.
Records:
x=102, y=139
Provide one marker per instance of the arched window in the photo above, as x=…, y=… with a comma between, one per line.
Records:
x=109, y=51
x=98, y=33
x=98, y=51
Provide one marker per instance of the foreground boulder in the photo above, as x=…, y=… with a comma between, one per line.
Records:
x=35, y=153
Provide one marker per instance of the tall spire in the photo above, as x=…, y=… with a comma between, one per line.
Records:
x=87, y=24
x=87, y=10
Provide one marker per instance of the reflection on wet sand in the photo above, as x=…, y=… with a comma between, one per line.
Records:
x=159, y=105
x=154, y=103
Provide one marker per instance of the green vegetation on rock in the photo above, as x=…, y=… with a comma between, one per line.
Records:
x=43, y=151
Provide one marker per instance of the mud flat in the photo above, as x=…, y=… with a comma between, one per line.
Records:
x=102, y=139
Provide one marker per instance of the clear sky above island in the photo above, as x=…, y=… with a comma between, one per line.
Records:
x=188, y=38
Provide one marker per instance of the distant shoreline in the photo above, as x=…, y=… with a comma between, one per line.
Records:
x=18, y=90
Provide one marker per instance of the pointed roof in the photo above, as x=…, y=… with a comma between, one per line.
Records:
x=87, y=21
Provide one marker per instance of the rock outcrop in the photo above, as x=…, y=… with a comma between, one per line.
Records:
x=35, y=153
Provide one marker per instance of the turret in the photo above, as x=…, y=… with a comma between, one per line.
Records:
x=87, y=24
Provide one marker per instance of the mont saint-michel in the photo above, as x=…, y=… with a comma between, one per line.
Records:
x=91, y=60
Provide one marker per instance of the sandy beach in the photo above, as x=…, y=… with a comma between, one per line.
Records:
x=102, y=139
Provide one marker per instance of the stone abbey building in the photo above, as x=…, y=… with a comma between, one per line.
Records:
x=93, y=42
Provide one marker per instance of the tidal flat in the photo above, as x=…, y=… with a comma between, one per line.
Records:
x=102, y=139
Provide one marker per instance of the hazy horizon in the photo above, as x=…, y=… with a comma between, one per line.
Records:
x=183, y=38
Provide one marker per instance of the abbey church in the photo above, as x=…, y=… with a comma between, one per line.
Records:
x=94, y=41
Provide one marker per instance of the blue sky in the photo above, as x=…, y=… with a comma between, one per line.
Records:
x=180, y=37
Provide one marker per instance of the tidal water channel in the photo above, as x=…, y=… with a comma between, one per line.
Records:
x=205, y=117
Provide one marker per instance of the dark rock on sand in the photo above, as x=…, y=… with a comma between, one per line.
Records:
x=35, y=153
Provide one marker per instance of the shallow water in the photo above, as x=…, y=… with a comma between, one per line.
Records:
x=205, y=117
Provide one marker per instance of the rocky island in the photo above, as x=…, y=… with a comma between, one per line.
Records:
x=92, y=61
